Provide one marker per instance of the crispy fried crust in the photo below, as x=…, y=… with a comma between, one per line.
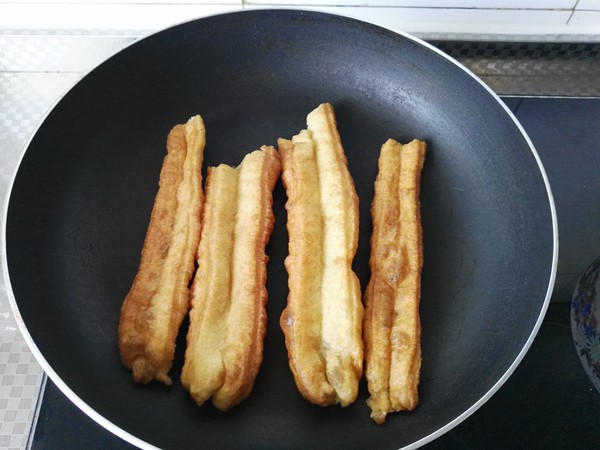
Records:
x=228, y=315
x=204, y=372
x=323, y=318
x=159, y=298
x=392, y=328
x=301, y=319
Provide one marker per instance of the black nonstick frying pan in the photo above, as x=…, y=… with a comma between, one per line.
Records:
x=81, y=200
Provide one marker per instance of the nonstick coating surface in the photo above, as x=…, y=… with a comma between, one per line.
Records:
x=82, y=197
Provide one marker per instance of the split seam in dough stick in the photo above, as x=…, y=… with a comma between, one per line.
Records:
x=158, y=301
x=228, y=315
x=322, y=321
x=392, y=328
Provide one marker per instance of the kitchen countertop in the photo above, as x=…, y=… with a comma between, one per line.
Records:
x=548, y=402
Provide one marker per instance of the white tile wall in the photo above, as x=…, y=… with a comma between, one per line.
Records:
x=589, y=5
x=150, y=2
x=427, y=4
x=504, y=4
x=566, y=20
x=107, y=16
x=582, y=19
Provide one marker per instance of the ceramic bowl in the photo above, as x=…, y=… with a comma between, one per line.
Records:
x=585, y=321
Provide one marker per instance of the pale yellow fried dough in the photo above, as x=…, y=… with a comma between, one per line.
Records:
x=322, y=321
x=204, y=372
x=228, y=315
x=155, y=306
x=392, y=328
x=301, y=319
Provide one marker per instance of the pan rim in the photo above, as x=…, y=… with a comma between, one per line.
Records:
x=128, y=437
x=555, y=249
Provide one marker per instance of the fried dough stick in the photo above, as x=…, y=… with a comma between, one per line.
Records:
x=301, y=320
x=228, y=315
x=159, y=297
x=322, y=321
x=392, y=328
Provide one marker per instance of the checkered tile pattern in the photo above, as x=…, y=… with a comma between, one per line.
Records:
x=25, y=97
x=27, y=91
x=532, y=68
x=35, y=71
x=20, y=381
x=56, y=53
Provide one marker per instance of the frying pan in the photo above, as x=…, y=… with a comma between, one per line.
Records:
x=82, y=196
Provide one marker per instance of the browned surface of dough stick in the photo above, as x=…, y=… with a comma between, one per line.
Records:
x=159, y=297
x=302, y=318
x=228, y=315
x=204, y=372
x=322, y=321
x=392, y=328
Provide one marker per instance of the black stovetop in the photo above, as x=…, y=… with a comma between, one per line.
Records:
x=548, y=402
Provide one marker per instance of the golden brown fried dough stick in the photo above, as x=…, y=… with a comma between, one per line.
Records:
x=204, y=372
x=301, y=320
x=159, y=298
x=228, y=316
x=392, y=328
x=322, y=322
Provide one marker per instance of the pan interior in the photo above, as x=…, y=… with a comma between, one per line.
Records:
x=82, y=197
